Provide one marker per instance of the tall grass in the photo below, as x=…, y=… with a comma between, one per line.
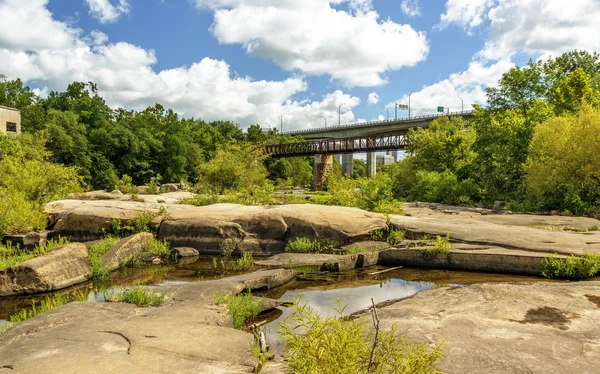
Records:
x=577, y=268
x=96, y=251
x=241, y=307
x=140, y=297
x=12, y=254
x=331, y=345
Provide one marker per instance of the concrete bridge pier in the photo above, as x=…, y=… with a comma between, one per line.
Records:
x=347, y=164
x=323, y=168
x=371, y=164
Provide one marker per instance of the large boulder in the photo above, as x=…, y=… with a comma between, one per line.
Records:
x=126, y=248
x=210, y=229
x=59, y=268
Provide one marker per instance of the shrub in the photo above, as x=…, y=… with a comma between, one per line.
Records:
x=140, y=297
x=241, y=307
x=314, y=344
x=125, y=186
x=442, y=245
x=153, y=186
x=96, y=251
x=395, y=237
x=377, y=236
x=573, y=267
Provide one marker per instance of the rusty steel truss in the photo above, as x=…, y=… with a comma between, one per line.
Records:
x=374, y=143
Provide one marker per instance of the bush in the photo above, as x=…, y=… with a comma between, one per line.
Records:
x=305, y=245
x=442, y=245
x=314, y=344
x=573, y=267
x=125, y=186
x=140, y=297
x=395, y=237
x=139, y=223
x=241, y=307
x=158, y=247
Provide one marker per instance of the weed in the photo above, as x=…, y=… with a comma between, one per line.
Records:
x=140, y=297
x=306, y=245
x=214, y=262
x=314, y=344
x=133, y=261
x=96, y=251
x=395, y=237
x=139, y=223
x=49, y=303
x=157, y=247
x=245, y=262
x=441, y=245
x=571, y=267
x=262, y=357
x=377, y=235
x=12, y=254
x=241, y=307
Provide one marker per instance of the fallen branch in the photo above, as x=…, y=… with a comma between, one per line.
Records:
x=376, y=340
x=386, y=270
x=256, y=325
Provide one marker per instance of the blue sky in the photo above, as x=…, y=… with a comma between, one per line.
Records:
x=249, y=61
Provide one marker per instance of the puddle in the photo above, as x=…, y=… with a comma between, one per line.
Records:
x=355, y=289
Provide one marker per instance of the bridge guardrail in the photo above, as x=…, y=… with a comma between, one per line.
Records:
x=359, y=124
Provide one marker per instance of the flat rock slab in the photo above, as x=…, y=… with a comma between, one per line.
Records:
x=451, y=212
x=188, y=334
x=210, y=229
x=506, y=328
x=491, y=234
x=297, y=259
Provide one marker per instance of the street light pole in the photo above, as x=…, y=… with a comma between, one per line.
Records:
x=388, y=113
x=282, y=121
x=325, y=120
x=340, y=114
x=409, y=103
x=462, y=104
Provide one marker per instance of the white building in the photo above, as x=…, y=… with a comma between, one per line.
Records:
x=10, y=120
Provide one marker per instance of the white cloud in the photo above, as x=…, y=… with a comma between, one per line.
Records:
x=410, y=7
x=354, y=47
x=535, y=27
x=125, y=77
x=465, y=13
x=548, y=27
x=469, y=85
x=105, y=12
x=373, y=98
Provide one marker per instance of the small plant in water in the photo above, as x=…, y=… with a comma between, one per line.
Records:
x=241, y=307
x=314, y=344
x=577, y=268
x=140, y=297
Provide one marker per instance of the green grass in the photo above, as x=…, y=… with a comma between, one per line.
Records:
x=577, y=268
x=140, y=297
x=395, y=237
x=96, y=251
x=377, y=235
x=139, y=223
x=241, y=307
x=306, y=245
x=442, y=245
x=360, y=249
x=157, y=247
x=49, y=303
x=12, y=255
x=314, y=344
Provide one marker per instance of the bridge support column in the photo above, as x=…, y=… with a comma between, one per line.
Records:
x=323, y=168
x=371, y=164
x=347, y=164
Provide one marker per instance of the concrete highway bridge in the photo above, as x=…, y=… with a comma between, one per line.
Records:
x=369, y=137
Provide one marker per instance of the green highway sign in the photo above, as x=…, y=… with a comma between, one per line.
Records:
x=440, y=109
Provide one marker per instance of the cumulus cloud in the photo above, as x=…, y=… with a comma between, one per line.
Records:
x=410, y=8
x=125, y=77
x=317, y=39
x=535, y=27
x=469, y=85
x=105, y=12
x=373, y=98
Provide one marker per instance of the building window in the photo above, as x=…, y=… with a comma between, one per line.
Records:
x=11, y=127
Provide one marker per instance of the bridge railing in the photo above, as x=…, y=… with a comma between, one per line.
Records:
x=336, y=146
x=359, y=124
